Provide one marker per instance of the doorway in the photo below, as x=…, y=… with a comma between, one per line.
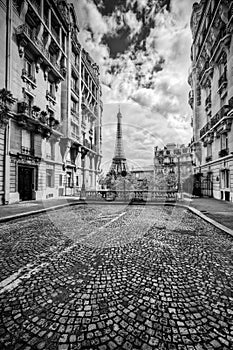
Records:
x=25, y=182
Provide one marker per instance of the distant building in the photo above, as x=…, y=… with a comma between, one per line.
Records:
x=50, y=143
x=173, y=158
x=142, y=173
x=211, y=97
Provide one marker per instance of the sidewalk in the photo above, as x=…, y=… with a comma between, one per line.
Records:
x=17, y=210
x=217, y=210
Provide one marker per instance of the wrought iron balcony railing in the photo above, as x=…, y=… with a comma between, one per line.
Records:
x=51, y=97
x=222, y=79
x=208, y=102
x=28, y=115
x=214, y=120
x=27, y=151
x=89, y=107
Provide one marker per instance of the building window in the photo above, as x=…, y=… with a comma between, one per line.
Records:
x=74, y=131
x=50, y=150
x=29, y=101
x=49, y=178
x=27, y=143
x=209, y=149
x=69, y=179
x=26, y=138
x=51, y=88
x=77, y=183
x=74, y=106
x=224, y=141
x=225, y=178
x=60, y=180
x=28, y=66
x=74, y=83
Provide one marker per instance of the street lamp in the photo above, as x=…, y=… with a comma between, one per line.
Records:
x=83, y=189
x=123, y=174
x=178, y=165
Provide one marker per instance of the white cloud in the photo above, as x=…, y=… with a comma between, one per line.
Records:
x=154, y=101
x=134, y=25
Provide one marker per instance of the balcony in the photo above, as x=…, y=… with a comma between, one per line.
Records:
x=222, y=82
x=27, y=78
x=32, y=118
x=73, y=111
x=83, y=124
x=27, y=151
x=204, y=69
x=224, y=152
x=91, y=110
x=75, y=117
x=223, y=39
x=26, y=34
x=55, y=35
x=75, y=136
x=215, y=120
x=208, y=103
x=205, y=129
x=50, y=97
x=75, y=90
x=87, y=144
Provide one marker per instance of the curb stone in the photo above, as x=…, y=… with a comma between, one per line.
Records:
x=39, y=211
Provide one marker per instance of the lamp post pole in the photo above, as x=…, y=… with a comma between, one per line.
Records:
x=179, y=179
x=83, y=189
x=123, y=174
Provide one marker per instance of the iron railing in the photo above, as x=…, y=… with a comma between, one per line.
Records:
x=214, y=120
x=27, y=151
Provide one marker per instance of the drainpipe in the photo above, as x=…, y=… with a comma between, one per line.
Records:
x=7, y=87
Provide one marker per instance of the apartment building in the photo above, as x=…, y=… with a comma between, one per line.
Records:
x=211, y=97
x=83, y=125
x=173, y=159
x=42, y=151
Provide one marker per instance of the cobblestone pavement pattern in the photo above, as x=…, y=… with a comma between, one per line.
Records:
x=115, y=277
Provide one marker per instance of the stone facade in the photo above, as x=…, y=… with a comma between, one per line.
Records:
x=47, y=153
x=211, y=95
x=142, y=173
x=173, y=158
x=173, y=166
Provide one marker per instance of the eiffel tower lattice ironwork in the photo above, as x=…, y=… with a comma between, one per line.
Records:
x=119, y=163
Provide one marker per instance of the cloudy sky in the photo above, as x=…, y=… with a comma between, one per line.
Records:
x=143, y=49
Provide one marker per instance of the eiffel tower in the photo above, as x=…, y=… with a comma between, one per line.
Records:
x=119, y=164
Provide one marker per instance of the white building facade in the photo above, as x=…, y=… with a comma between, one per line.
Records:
x=211, y=96
x=50, y=142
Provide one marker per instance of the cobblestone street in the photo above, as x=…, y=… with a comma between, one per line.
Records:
x=115, y=277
